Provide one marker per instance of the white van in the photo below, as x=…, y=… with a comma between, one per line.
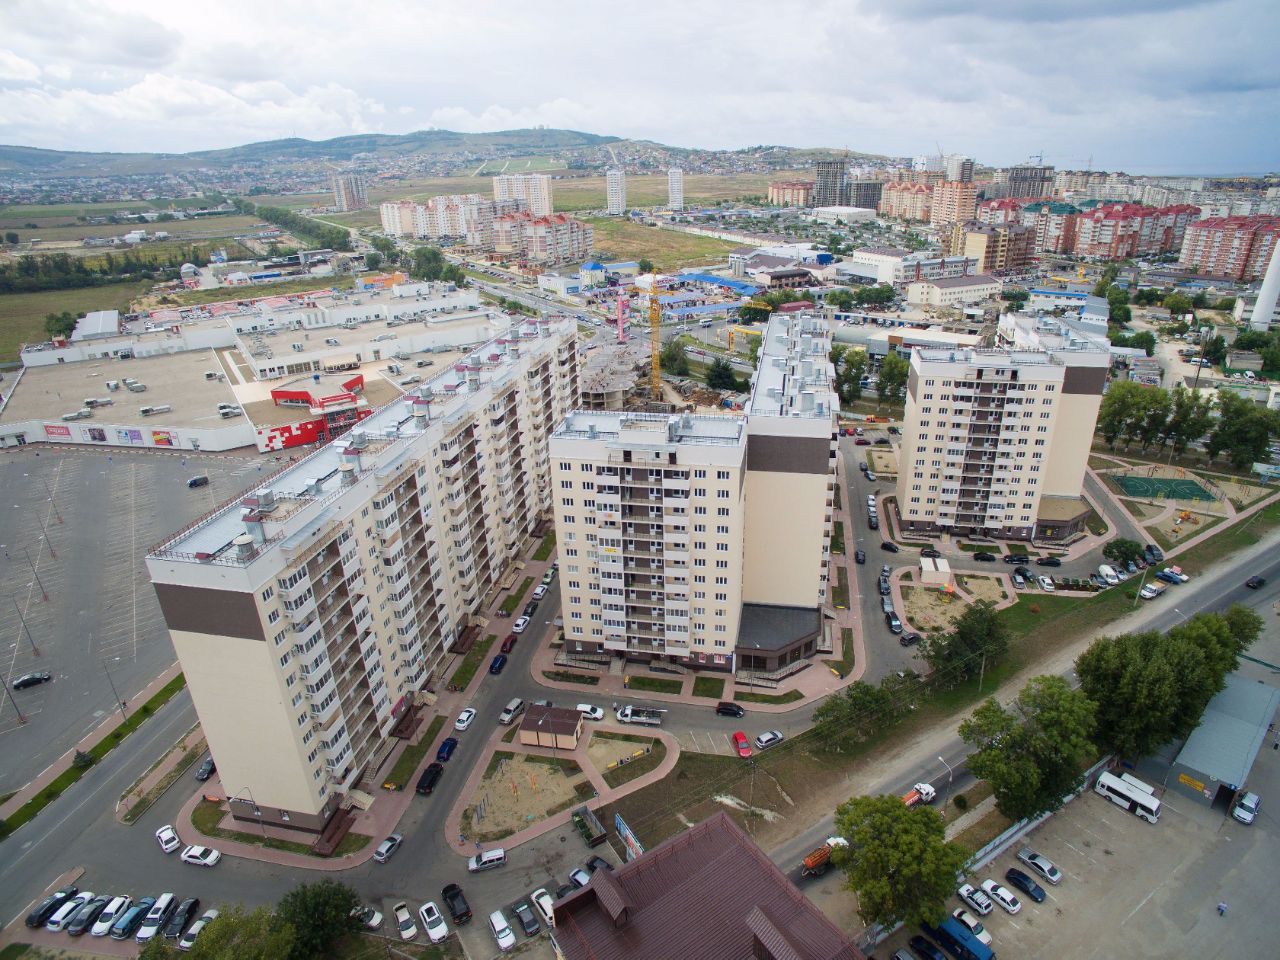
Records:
x=511, y=711
x=1109, y=574
x=487, y=860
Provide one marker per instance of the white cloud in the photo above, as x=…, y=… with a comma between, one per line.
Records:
x=14, y=67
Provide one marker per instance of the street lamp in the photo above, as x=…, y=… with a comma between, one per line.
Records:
x=257, y=811
x=56, y=512
x=21, y=718
x=113, y=687
x=44, y=530
x=26, y=629
x=950, y=774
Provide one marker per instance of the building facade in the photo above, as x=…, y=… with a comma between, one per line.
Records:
x=958, y=168
x=908, y=201
x=703, y=540
x=1002, y=247
x=953, y=201
x=1027, y=180
x=675, y=189
x=829, y=184
x=533, y=188
x=308, y=615
x=1235, y=247
x=558, y=238
x=615, y=189
x=466, y=217
x=790, y=193
x=350, y=192
x=953, y=291
x=1122, y=230
x=865, y=193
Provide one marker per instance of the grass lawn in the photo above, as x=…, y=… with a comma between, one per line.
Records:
x=845, y=663
x=712, y=687
x=654, y=684
x=64, y=230
x=978, y=835
x=408, y=761
x=364, y=946
x=206, y=816
x=547, y=545
x=618, y=238
x=168, y=251
x=837, y=537
x=840, y=592
x=471, y=662
x=509, y=605
x=15, y=950
x=22, y=314
x=1243, y=534
x=791, y=696
x=637, y=768
x=189, y=298
x=1097, y=526
x=586, y=679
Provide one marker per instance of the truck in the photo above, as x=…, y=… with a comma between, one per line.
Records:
x=648, y=716
x=816, y=863
x=920, y=793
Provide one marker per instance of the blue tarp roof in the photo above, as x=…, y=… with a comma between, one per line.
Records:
x=738, y=286
x=704, y=308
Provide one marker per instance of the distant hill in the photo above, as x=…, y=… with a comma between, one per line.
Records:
x=33, y=160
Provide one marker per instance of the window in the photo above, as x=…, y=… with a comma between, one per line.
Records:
x=268, y=593
x=699, y=474
x=273, y=616
x=722, y=474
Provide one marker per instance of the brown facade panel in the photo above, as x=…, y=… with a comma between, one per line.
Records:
x=202, y=610
x=769, y=454
x=1087, y=380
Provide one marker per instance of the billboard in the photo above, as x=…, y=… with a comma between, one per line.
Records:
x=57, y=431
x=163, y=438
x=627, y=837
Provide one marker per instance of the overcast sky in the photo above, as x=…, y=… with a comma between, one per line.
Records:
x=1164, y=86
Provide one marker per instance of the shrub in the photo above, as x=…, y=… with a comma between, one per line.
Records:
x=81, y=761
x=961, y=802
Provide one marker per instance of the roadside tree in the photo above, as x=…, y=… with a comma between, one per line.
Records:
x=1122, y=550
x=234, y=935
x=978, y=638
x=321, y=914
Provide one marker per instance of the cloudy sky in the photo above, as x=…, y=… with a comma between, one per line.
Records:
x=1163, y=86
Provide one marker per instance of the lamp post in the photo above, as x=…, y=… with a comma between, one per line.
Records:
x=25, y=628
x=44, y=530
x=44, y=594
x=21, y=718
x=114, y=692
x=257, y=811
x=57, y=514
x=950, y=774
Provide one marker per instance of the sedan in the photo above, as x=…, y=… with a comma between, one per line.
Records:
x=520, y=624
x=449, y=745
x=464, y=719
x=741, y=745
x=859, y=556
x=497, y=663
x=189, y=938
x=87, y=916
x=528, y=922
x=1041, y=865
x=433, y=922
x=31, y=680
x=370, y=917
x=501, y=930
x=404, y=921
x=49, y=905
x=182, y=917
x=579, y=877
x=926, y=948
x=1048, y=562
x=1024, y=883
x=430, y=777
x=1002, y=895
x=168, y=839
x=726, y=708
x=1045, y=584
x=387, y=848
x=861, y=442
x=931, y=554
x=65, y=913
x=985, y=557
x=1253, y=583
x=871, y=475
x=889, y=546
x=590, y=711
x=1016, y=558
x=207, y=769
x=509, y=644
x=114, y=910
x=975, y=899
x=770, y=738
x=201, y=856
x=972, y=924
x=909, y=639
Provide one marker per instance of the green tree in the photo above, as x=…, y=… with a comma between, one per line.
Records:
x=234, y=935
x=60, y=324
x=1134, y=686
x=1190, y=416
x=1122, y=550
x=10, y=237
x=1177, y=304
x=1243, y=431
x=749, y=314
x=646, y=265
x=1109, y=274
x=894, y=371
x=1015, y=296
x=673, y=358
x=754, y=351
x=978, y=638
x=1033, y=753
x=880, y=294
x=1226, y=304
x=1146, y=340
x=841, y=299
x=1123, y=409
x=1215, y=351
x=372, y=260
x=849, y=375
x=898, y=861
x=720, y=375
x=859, y=710
x=321, y=914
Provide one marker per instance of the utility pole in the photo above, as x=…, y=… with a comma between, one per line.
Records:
x=113, y=688
x=44, y=594
x=26, y=629
x=21, y=718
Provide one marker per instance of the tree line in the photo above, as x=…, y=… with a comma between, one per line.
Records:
x=61, y=271
x=323, y=235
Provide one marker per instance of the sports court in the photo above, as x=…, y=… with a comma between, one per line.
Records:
x=1168, y=488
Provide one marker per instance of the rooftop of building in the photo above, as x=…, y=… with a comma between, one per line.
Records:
x=1061, y=509
x=97, y=323
x=175, y=380
x=985, y=357
x=976, y=280
x=793, y=364
x=558, y=721
x=1231, y=731
x=666, y=429
x=767, y=626
x=885, y=251
x=708, y=893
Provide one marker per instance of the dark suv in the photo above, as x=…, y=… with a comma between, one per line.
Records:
x=430, y=777
x=456, y=904
x=182, y=917
x=726, y=709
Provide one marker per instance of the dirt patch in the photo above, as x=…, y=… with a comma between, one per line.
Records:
x=521, y=790
x=1240, y=494
x=929, y=608
x=883, y=460
x=1182, y=525
x=604, y=750
x=984, y=588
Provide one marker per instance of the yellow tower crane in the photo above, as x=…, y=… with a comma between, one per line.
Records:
x=655, y=341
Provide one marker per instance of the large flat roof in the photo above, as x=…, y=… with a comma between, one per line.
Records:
x=690, y=428
x=1231, y=731
x=791, y=344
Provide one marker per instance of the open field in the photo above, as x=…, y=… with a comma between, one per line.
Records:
x=533, y=164
x=22, y=314
x=190, y=298
x=165, y=251
x=35, y=212
x=620, y=239
x=64, y=229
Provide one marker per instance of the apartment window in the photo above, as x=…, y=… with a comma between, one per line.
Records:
x=575, y=615
x=566, y=501
x=699, y=528
x=273, y=616
x=699, y=511
x=722, y=474
x=699, y=562
x=722, y=581
x=699, y=474
x=700, y=491
x=268, y=593
x=566, y=484
x=722, y=511
x=699, y=545
x=722, y=564
x=700, y=594
x=279, y=637
x=1050, y=387
x=722, y=528
x=699, y=578
x=722, y=597
x=571, y=552
x=722, y=547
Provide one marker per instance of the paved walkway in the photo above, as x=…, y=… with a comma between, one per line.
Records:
x=192, y=739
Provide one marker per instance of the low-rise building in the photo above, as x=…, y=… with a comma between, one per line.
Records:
x=953, y=291
x=898, y=266
x=843, y=214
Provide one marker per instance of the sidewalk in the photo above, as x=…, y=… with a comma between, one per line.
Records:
x=192, y=739
x=91, y=740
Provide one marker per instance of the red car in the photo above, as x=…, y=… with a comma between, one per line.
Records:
x=741, y=745
x=861, y=442
x=509, y=643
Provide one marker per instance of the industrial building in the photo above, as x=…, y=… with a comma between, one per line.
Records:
x=953, y=291
x=310, y=614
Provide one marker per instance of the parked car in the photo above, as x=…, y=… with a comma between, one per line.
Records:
x=930, y=553
x=189, y=938
x=1253, y=583
x=545, y=905
x=446, y=749
x=984, y=557
x=206, y=770
x=509, y=643
x=430, y=777
x=1024, y=572
x=1018, y=581
x=1152, y=554
x=1048, y=562
x=859, y=556
x=590, y=711
x=530, y=608
x=201, y=856
x=127, y=925
x=116, y=908
x=186, y=912
x=1246, y=808
x=370, y=917
x=539, y=591
x=909, y=639
x=926, y=948
x=862, y=442
x=524, y=916
x=497, y=664
x=168, y=839
x=972, y=924
x=46, y=908
x=501, y=931
x=387, y=848
x=433, y=922
x=456, y=904
x=1023, y=882
x=975, y=899
x=404, y=921
x=598, y=863
x=84, y=918
x=873, y=522
x=1046, y=584
x=464, y=719
x=1041, y=865
x=1001, y=895
x=889, y=545
x=884, y=586
x=519, y=625
x=871, y=475
x=770, y=738
x=157, y=917
x=741, y=745
x=31, y=680
x=1016, y=558
x=882, y=441
x=894, y=623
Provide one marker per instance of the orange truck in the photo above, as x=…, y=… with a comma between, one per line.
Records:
x=816, y=863
x=920, y=793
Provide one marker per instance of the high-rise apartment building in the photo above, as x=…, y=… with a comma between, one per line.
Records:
x=996, y=247
x=790, y=193
x=675, y=189
x=910, y=201
x=1236, y=247
x=1027, y=180
x=865, y=193
x=829, y=184
x=953, y=201
x=467, y=217
x=350, y=192
x=1119, y=231
x=308, y=615
x=615, y=189
x=704, y=540
x=558, y=238
x=533, y=188
x=958, y=168
x=995, y=442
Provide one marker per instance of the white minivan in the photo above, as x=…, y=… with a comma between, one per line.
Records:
x=1109, y=574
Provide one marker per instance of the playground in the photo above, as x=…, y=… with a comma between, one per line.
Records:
x=930, y=608
x=1166, y=488
x=520, y=789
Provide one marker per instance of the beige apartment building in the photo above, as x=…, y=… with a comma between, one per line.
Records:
x=995, y=442
x=533, y=188
x=309, y=614
x=704, y=540
x=954, y=201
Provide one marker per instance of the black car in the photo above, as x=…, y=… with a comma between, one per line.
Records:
x=884, y=586
x=1024, y=572
x=909, y=639
x=882, y=441
x=187, y=911
x=873, y=522
x=128, y=924
x=985, y=557
x=726, y=709
x=564, y=890
x=1152, y=553
x=1016, y=558
x=87, y=916
x=531, y=608
x=1048, y=562
x=859, y=556
x=430, y=777
x=889, y=545
x=456, y=904
x=894, y=624
x=207, y=769
x=49, y=906
x=598, y=863
x=925, y=948
x=1253, y=583
x=528, y=922
x=31, y=680
x=1024, y=883
x=894, y=431
x=930, y=553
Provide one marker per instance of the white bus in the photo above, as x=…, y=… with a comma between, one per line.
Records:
x=1131, y=793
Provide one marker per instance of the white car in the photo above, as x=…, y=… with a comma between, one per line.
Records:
x=168, y=839
x=113, y=912
x=201, y=856
x=975, y=899
x=464, y=719
x=544, y=904
x=972, y=924
x=1246, y=809
x=1002, y=895
x=591, y=712
x=189, y=938
x=1041, y=865
x=370, y=917
x=1045, y=584
x=404, y=921
x=68, y=910
x=502, y=931
x=520, y=624
x=770, y=738
x=539, y=591
x=433, y=922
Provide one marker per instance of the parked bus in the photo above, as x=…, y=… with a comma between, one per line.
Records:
x=951, y=935
x=1131, y=793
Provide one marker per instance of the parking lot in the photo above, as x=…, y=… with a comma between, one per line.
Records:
x=1140, y=890
x=74, y=530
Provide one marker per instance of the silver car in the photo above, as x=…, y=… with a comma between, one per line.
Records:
x=1041, y=865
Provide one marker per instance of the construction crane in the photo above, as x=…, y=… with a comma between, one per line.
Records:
x=745, y=331
x=655, y=341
